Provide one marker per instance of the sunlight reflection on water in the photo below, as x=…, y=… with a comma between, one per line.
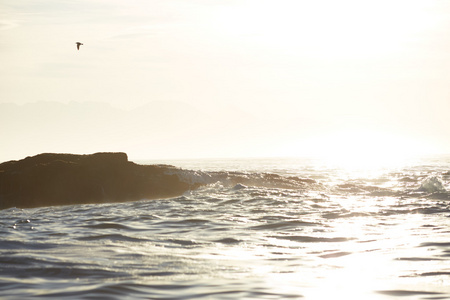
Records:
x=349, y=238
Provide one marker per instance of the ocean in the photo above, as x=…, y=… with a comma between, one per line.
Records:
x=256, y=229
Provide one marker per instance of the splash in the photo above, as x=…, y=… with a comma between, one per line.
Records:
x=432, y=184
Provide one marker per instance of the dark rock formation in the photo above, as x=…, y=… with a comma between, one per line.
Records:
x=64, y=179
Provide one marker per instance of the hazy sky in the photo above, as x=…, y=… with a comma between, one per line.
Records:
x=265, y=77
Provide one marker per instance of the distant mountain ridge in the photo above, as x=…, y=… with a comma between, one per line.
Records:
x=87, y=127
x=157, y=129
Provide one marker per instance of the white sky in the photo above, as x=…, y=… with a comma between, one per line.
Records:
x=269, y=77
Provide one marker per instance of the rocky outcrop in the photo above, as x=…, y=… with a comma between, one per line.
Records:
x=64, y=179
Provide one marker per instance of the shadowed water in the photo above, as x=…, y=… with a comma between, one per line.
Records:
x=264, y=229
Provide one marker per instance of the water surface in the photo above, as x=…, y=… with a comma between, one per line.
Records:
x=262, y=229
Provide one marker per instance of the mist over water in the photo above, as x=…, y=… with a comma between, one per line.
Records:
x=262, y=229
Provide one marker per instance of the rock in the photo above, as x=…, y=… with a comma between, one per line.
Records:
x=64, y=179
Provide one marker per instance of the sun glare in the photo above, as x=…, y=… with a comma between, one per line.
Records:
x=326, y=28
x=360, y=149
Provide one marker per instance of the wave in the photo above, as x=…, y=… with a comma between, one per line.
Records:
x=283, y=225
x=312, y=239
x=240, y=180
x=432, y=184
x=407, y=186
x=116, y=226
x=112, y=238
x=403, y=293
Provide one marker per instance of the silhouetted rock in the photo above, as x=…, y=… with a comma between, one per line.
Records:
x=64, y=179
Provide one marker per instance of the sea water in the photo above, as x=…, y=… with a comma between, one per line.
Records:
x=256, y=229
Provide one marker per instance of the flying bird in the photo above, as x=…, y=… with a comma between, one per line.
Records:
x=78, y=45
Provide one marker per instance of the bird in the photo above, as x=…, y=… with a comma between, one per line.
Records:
x=78, y=45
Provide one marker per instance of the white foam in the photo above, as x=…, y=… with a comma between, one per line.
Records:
x=432, y=184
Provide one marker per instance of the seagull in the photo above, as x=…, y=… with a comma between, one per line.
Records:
x=78, y=45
